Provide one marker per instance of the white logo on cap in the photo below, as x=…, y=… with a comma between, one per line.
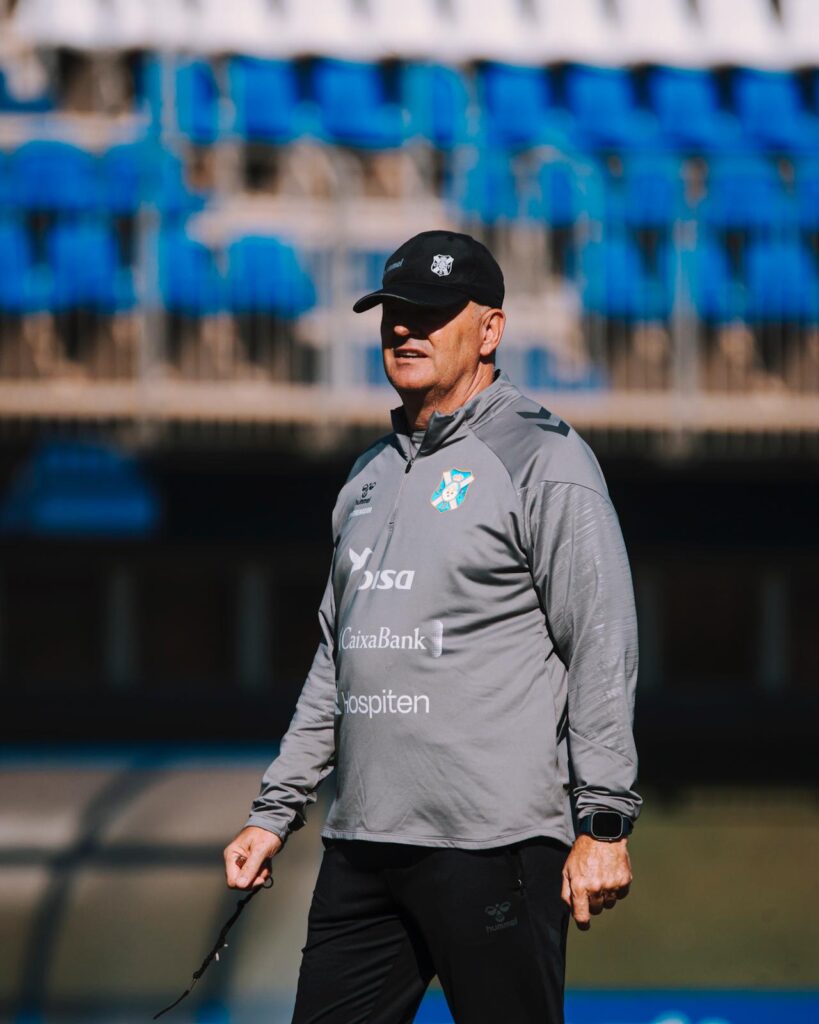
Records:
x=442, y=265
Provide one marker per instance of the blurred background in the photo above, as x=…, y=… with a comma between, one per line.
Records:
x=192, y=194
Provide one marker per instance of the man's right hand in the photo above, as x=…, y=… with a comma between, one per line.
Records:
x=247, y=857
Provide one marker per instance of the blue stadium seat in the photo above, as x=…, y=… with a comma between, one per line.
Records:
x=124, y=171
x=195, y=97
x=15, y=262
x=517, y=105
x=771, y=111
x=746, y=194
x=365, y=266
x=564, y=191
x=543, y=370
x=616, y=284
x=650, y=194
x=687, y=106
x=79, y=488
x=806, y=191
x=717, y=296
x=6, y=195
x=264, y=275
x=197, y=102
x=437, y=100
x=84, y=267
x=604, y=107
x=558, y=199
x=188, y=277
x=782, y=283
x=142, y=172
x=53, y=176
x=374, y=375
x=352, y=106
x=486, y=190
x=814, y=90
x=266, y=99
x=23, y=289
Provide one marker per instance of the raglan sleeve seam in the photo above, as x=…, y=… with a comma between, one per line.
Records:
x=515, y=489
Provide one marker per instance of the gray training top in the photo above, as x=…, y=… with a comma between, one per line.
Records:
x=479, y=643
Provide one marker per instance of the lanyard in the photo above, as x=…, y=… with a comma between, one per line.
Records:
x=220, y=943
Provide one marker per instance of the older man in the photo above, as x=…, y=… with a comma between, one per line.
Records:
x=473, y=687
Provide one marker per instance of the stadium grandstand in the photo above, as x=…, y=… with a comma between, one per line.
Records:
x=193, y=193
x=192, y=198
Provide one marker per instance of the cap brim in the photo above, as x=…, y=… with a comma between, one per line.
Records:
x=418, y=294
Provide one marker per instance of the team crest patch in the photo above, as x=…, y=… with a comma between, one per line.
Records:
x=442, y=265
x=451, y=491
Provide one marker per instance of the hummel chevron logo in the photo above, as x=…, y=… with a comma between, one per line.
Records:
x=543, y=419
x=499, y=910
x=359, y=560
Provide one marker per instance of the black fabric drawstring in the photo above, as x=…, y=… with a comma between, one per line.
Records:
x=220, y=943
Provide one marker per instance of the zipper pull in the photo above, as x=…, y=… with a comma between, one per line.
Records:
x=409, y=465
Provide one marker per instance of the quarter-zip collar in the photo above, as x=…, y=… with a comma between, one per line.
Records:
x=443, y=428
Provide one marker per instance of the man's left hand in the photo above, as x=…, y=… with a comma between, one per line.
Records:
x=595, y=876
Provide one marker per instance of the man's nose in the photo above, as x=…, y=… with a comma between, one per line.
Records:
x=401, y=330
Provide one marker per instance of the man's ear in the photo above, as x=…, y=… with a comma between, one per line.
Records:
x=493, y=322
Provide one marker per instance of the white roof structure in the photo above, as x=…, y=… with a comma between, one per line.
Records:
x=800, y=20
x=109, y=24
x=257, y=28
x=492, y=30
x=608, y=32
x=747, y=34
x=575, y=30
x=150, y=24
x=330, y=28
x=46, y=23
x=659, y=32
x=275, y=28
x=416, y=30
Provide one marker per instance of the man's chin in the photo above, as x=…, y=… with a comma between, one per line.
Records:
x=410, y=378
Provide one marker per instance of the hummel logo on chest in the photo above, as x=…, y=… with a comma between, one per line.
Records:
x=363, y=505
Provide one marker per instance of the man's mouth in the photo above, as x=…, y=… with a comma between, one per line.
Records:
x=408, y=353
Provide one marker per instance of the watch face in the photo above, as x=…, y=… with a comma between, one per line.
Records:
x=606, y=825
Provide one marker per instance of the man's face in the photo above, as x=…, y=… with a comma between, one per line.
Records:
x=428, y=348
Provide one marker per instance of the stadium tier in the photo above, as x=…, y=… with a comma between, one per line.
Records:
x=206, y=194
x=535, y=31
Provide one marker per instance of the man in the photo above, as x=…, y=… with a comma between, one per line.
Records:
x=473, y=687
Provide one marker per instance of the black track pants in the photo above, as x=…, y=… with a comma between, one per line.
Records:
x=386, y=917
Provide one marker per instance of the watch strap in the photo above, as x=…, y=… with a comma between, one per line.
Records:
x=606, y=826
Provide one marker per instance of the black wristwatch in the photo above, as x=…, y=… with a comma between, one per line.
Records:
x=608, y=826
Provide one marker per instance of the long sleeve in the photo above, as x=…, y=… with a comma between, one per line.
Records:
x=307, y=750
x=582, y=574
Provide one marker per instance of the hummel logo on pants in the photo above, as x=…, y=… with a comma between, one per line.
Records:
x=387, y=917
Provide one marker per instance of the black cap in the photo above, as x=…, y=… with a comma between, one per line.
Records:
x=439, y=268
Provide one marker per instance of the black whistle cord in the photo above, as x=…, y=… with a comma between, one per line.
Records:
x=220, y=943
